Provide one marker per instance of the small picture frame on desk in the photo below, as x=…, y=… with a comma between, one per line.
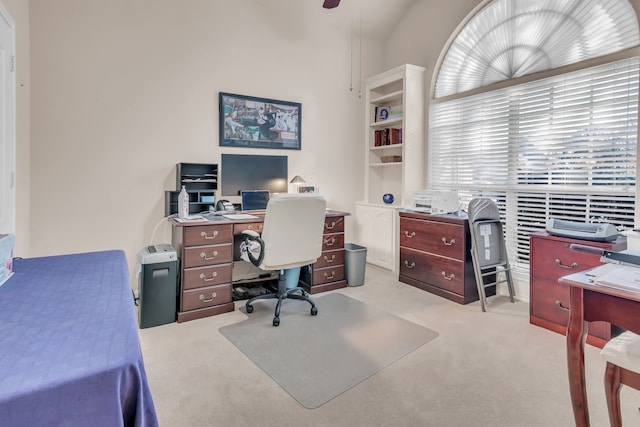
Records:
x=307, y=189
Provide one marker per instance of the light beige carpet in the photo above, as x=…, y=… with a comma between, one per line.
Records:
x=316, y=358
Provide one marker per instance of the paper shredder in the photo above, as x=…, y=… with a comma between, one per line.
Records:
x=157, y=285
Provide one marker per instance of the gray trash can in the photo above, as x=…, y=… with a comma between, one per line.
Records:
x=355, y=261
x=157, y=285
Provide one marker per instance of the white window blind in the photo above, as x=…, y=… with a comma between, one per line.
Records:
x=562, y=147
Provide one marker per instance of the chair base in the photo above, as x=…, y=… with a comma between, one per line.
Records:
x=282, y=294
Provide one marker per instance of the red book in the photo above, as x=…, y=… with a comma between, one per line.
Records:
x=378, y=138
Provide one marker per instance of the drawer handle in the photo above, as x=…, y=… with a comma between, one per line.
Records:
x=204, y=234
x=561, y=307
x=572, y=266
x=331, y=276
x=406, y=264
x=410, y=235
x=208, y=279
x=330, y=227
x=449, y=243
x=213, y=296
x=333, y=241
x=450, y=277
x=204, y=255
x=333, y=258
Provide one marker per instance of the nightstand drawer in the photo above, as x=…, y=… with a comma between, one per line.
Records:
x=206, y=276
x=207, y=255
x=206, y=297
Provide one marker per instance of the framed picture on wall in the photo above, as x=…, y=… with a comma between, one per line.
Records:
x=248, y=121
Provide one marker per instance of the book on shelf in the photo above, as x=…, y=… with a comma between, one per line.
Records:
x=377, y=138
x=395, y=136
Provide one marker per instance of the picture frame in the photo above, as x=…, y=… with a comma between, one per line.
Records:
x=252, y=122
x=382, y=113
x=307, y=189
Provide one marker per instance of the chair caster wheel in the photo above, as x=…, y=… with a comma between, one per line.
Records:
x=249, y=308
x=276, y=321
x=314, y=311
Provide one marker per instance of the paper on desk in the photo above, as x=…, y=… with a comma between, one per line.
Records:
x=239, y=216
x=620, y=277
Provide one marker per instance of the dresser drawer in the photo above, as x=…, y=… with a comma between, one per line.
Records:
x=254, y=226
x=328, y=274
x=205, y=297
x=332, y=241
x=544, y=295
x=207, y=255
x=445, y=273
x=552, y=259
x=208, y=235
x=206, y=276
x=330, y=258
x=434, y=237
x=334, y=225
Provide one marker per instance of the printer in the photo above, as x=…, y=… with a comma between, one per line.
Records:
x=436, y=201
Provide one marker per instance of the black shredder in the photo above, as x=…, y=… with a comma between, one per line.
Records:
x=157, y=285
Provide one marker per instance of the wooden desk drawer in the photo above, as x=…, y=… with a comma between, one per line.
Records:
x=445, y=273
x=207, y=255
x=206, y=276
x=206, y=297
x=255, y=226
x=329, y=274
x=434, y=237
x=553, y=259
x=332, y=241
x=208, y=235
x=334, y=225
x=330, y=258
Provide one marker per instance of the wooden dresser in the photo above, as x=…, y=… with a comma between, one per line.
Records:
x=435, y=255
x=328, y=271
x=550, y=259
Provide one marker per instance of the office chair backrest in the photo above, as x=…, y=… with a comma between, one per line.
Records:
x=292, y=231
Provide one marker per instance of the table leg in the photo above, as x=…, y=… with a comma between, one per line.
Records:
x=576, y=336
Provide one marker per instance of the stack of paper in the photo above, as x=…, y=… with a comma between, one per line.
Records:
x=617, y=276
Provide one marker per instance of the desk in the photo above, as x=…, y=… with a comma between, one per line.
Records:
x=206, y=249
x=589, y=303
x=70, y=351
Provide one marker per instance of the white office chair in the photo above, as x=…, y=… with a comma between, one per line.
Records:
x=291, y=238
x=622, y=355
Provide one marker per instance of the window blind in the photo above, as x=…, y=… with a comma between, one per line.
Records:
x=562, y=147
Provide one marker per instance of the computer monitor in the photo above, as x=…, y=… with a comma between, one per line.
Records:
x=254, y=200
x=241, y=172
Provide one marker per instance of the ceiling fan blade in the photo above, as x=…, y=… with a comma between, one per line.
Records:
x=330, y=4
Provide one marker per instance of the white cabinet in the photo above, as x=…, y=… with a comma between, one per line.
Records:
x=394, y=152
x=376, y=229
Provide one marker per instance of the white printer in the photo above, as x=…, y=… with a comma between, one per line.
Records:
x=436, y=201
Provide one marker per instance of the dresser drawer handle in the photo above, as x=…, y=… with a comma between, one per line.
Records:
x=329, y=276
x=450, y=277
x=330, y=227
x=330, y=243
x=572, y=266
x=410, y=235
x=208, y=279
x=213, y=256
x=213, y=296
x=204, y=234
x=333, y=258
x=561, y=307
x=406, y=264
x=449, y=243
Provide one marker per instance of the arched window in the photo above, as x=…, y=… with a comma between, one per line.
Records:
x=536, y=106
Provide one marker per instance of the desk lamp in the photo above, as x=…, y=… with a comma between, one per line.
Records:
x=297, y=181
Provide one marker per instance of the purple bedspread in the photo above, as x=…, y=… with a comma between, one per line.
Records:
x=69, y=349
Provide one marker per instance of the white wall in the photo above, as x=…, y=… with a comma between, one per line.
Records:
x=123, y=90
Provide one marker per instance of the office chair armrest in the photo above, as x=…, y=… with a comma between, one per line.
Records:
x=252, y=236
